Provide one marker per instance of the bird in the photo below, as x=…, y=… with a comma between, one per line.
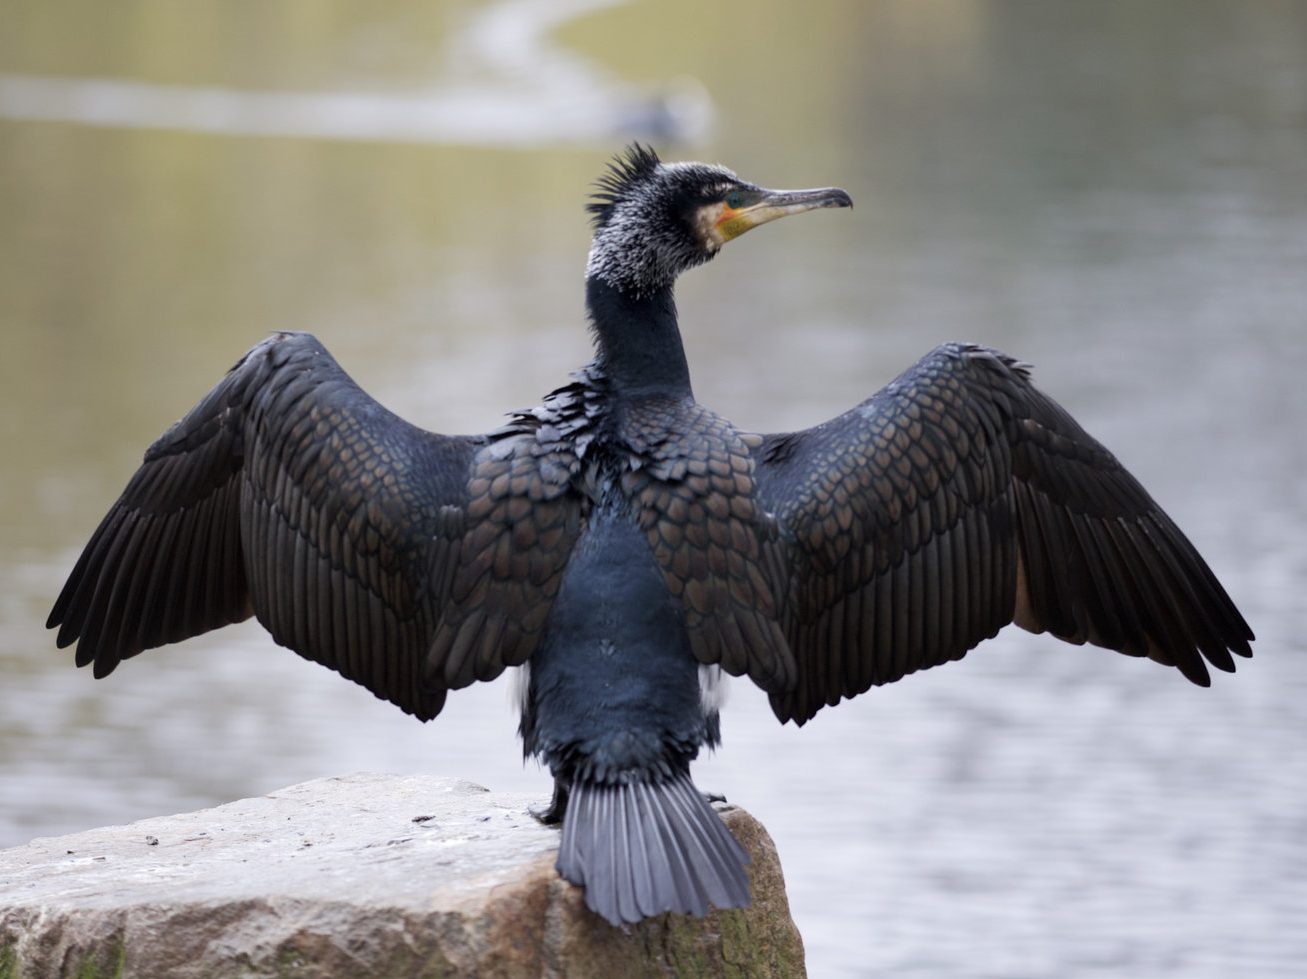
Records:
x=625, y=545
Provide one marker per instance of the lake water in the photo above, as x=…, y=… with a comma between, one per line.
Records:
x=1115, y=192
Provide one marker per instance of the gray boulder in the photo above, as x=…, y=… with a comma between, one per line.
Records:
x=362, y=875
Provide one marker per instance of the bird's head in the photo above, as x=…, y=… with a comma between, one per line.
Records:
x=654, y=220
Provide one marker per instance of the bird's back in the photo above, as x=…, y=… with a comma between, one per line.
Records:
x=614, y=685
x=614, y=704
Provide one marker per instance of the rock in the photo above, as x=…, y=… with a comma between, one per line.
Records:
x=362, y=875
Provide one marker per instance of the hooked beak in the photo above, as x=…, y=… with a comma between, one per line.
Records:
x=733, y=222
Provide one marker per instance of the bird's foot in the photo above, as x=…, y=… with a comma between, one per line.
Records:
x=711, y=797
x=548, y=815
x=552, y=814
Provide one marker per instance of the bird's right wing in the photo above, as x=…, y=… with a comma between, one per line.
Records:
x=959, y=499
x=290, y=494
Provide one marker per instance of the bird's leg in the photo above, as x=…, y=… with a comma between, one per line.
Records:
x=553, y=813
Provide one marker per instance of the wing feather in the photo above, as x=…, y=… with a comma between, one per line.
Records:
x=290, y=494
x=959, y=499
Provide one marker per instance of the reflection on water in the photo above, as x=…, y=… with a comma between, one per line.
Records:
x=1114, y=192
x=510, y=85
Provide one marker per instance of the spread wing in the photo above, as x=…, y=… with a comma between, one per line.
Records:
x=290, y=494
x=959, y=499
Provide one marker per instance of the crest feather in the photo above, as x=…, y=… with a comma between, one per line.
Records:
x=625, y=170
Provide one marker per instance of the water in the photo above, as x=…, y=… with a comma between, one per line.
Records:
x=1115, y=192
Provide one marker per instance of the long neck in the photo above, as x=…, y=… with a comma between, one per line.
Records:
x=639, y=342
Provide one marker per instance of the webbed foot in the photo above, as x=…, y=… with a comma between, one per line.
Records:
x=552, y=814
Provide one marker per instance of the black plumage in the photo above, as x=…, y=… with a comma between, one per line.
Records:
x=628, y=543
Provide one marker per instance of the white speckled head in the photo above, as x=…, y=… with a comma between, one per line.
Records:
x=649, y=220
x=654, y=220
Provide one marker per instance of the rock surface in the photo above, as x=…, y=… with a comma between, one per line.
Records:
x=362, y=875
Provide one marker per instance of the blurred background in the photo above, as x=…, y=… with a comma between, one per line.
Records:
x=1116, y=192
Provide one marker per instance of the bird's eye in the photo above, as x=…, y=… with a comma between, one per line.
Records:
x=735, y=200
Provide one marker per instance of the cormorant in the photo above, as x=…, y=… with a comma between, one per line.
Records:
x=628, y=543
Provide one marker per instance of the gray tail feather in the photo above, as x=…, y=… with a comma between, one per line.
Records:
x=643, y=848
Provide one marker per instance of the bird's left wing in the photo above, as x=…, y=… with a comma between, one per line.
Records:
x=959, y=499
x=360, y=541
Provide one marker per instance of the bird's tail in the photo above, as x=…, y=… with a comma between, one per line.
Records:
x=642, y=848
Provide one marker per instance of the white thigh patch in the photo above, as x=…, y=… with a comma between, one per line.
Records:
x=712, y=688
